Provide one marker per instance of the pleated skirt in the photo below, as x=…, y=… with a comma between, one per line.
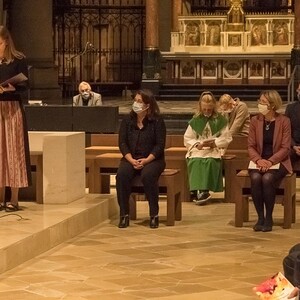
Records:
x=14, y=148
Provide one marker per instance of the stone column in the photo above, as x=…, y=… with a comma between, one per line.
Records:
x=267, y=71
x=31, y=27
x=219, y=71
x=151, y=65
x=245, y=72
x=177, y=11
x=295, y=56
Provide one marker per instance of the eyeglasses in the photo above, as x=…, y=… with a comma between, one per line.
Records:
x=86, y=90
x=263, y=101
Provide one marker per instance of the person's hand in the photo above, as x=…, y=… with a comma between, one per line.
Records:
x=199, y=146
x=8, y=88
x=210, y=144
x=142, y=161
x=263, y=165
x=297, y=150
x=206, y=144
x=294, y=293
x=137, y=164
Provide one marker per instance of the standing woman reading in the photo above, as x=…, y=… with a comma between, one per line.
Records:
x=14, y=146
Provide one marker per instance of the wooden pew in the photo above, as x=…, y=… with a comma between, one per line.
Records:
x=236, y=158
x=285, y=195
x=107, y=164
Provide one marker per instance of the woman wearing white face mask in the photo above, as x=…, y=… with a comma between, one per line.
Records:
x=142, y=137
x=86, y=96
x=238, y=114
x=269, y=143
x=206, y=135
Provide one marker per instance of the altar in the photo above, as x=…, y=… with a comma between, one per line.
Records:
x=232, y=47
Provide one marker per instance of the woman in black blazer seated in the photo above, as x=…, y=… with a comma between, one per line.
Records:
x=142, y=137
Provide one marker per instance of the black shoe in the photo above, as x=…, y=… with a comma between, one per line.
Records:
x=124, y=221
x=193, y=195
x=268, y=226
x=202, y=197
x=154, y=222
x=259, y=225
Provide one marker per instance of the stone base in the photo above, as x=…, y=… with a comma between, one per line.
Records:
x=63, y=164
x=46, y=226
x=151, y=84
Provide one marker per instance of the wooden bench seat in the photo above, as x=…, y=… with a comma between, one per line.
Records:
x=286, y=195
x=107, y=164
x=169, y=183
x=97, y=150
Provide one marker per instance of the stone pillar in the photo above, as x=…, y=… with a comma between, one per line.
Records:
x=177, y=11
x=219, y=71
x=267, y=71
x=245, y=72
x=31, y=27
x=295, y=55
x=152, y=58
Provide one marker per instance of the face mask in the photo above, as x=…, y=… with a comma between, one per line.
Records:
x=137, y=107
x=85, y=95
x=207, y=116
x=263, y=109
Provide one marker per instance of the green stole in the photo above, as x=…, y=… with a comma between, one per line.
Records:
x=216, y=123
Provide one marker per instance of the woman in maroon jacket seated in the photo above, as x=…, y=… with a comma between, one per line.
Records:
x=269, y=143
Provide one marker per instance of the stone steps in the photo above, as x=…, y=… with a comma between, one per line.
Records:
x=37, y=228
x=190, y=92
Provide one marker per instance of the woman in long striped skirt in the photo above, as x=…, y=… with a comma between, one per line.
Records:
x=14, y=147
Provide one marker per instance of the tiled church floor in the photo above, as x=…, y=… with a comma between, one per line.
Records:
x=202, y=257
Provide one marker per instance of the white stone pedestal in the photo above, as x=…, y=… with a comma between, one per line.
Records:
x=63, y=164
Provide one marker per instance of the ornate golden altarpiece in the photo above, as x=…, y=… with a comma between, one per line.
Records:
x=231, y=48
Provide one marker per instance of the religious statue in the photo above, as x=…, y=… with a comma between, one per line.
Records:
x=192, y=35
x=258, y=34
x=236, y=13
x=281, y=34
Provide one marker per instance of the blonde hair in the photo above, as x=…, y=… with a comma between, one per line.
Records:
x=84, y=83
x=273, y=97
x=209, y=98
x=10, y=51
x=225, y=99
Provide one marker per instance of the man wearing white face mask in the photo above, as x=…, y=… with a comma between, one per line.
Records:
x=86, y=96
x=293, y=112
x=205, y=137
x=238, y=114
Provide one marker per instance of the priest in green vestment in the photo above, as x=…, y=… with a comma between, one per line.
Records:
x=206, y=139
